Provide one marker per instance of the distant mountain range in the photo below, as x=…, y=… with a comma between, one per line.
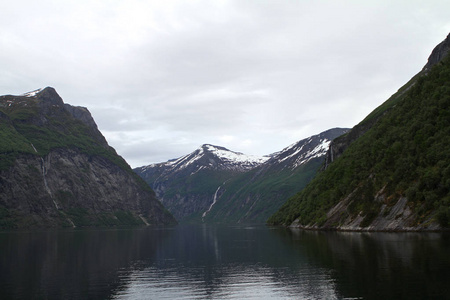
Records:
x=392, y=170
x=214, y=184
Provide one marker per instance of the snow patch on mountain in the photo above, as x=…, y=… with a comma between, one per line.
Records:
x=31, y=94
x=291, y=148
x=184, y=161
x=303, y=151
x=319, y=150
x=235, y=157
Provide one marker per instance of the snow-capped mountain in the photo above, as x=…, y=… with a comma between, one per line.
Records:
x=216, y=184
x=305, y=150
x=257, y=194
x=209, y=157
x=185, y=184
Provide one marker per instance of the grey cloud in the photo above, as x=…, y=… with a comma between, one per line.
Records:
x=163, y=77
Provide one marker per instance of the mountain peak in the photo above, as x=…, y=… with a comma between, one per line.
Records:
x=212, y=157
x=50, y=95
x=211, y=147
x=47, y=95
x=230, y=158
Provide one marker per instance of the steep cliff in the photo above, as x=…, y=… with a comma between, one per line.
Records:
x=390, y=172
x=57, y=169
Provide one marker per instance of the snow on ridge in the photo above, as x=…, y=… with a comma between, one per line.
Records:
x=186, y=160
x=236, y=157
x=319, y=150
x=300, y=155
x=31, y=94
x=293, y=154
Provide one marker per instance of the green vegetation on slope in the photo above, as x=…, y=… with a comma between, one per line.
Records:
x=253, y=197
x=406, y=153
x=26, y=129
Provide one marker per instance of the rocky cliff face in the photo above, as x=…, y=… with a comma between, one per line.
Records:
x=58, y=170
x=438, y=53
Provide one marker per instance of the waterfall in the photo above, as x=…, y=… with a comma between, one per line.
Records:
x=214, y=202
x=44, y=173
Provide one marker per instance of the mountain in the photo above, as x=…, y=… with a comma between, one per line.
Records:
x=207, y=157
x=187, y=185
x=214, y=184
x=56, y=169
x=391, y=171
x=255, y=195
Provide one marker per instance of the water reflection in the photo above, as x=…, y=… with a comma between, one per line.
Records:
x=70, y=264
x=218, y=262
x=380, y=265
x=211, y=262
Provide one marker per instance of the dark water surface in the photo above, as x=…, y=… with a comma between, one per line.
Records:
x=220, y=262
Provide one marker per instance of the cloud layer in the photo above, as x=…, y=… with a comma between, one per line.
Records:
x=163, y=77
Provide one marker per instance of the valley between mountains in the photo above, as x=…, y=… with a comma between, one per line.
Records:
x=214, y=184
x=391, y=172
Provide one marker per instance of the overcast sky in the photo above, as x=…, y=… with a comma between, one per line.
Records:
x=163, y=77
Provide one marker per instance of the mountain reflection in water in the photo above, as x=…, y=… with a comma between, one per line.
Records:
x=223, y=262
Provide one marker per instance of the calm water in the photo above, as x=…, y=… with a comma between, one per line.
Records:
x=217, y=262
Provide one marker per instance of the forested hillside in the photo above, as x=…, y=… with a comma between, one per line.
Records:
x=396, y=175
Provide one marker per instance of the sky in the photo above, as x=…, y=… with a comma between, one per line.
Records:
x=162, y=78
